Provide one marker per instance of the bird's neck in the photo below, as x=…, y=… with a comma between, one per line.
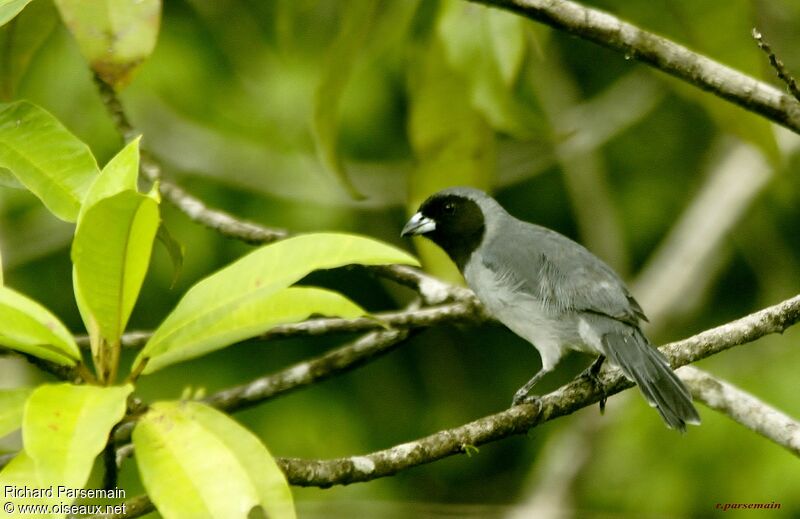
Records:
x=460, y=248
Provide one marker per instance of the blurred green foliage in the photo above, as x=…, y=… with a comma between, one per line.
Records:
x=428, y=94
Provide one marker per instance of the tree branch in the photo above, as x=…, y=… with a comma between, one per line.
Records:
x=432, y=290
x=517, y=420
x=674, y=59
x=777, y=64
x=465, y=310
x=308, y=372
x=75, y=374
x=575, y=395
x=744, y=408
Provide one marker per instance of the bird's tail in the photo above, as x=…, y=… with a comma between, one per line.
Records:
x=645, y=365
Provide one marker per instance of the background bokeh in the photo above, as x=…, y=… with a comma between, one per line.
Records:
x=263, y=108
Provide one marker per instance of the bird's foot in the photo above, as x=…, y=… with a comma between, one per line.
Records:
x=522, y=397
x=591, y=374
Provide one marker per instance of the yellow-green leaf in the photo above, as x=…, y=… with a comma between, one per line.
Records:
x=241, y=319
x=27, y=326
x=120, y=174
x=111, y=253
x=486, y=47
x=10, y=8
x=21, y=472
x=247, y=284
x=197, y=462
x=65, y=427
x=21, y=40
x=12, y=402
x=46, y=158
x=115, y=36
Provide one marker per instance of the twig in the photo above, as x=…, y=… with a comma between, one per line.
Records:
x=634, y=43
x=462, y=311
x=566, y=400
x=68, y=373
x=308, y=372
x=339, y=360
x=777, y=64
x=193, y=207
x=432, y=290
x=744, y=408
x=747, y=329
x=518, y=420
x=220, y=221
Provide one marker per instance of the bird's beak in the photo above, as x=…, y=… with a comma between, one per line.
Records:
x=418, y=224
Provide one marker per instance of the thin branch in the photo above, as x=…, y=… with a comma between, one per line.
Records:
x=305, y=373
x=778, y=65
x=744, y=408
x=520, y=419
x=465, y=310
x=193, y=207
x=517, y=420
x=674, y=59
x=747, y=329
x=339, y=360
x=432, y=290
x=61, y=372
x=220, y=221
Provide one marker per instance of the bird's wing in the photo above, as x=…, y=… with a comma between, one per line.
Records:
x=561, y=273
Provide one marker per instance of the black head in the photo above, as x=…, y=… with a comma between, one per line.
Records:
x=452, y=220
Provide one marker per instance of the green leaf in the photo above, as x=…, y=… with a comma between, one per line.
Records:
x=343, y=54
x=115, y=36
x=486, y=47
x=66, y=426
x=27, y=326
x=20, y=41
x=452, y=142
x=1, y=270
x=246, y=318
x=175, y=249
x=46, y=158
x=7, y=179
x=21, y=472
x=197, y=462
x=12, y=402
x=273, y=490
x=507, y=36
x=260, y=274
x=111, y=253
x=10, y=8
x=120, y=174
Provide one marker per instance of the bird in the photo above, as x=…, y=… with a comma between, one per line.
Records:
x=552, y=292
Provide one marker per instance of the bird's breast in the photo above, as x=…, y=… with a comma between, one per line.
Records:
x=506, y=299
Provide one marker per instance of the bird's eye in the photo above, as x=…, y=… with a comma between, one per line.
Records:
x=449, y=208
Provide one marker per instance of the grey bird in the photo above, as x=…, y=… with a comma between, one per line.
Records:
x=552, y=292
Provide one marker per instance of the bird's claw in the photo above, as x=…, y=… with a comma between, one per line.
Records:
x=592, y=376
x=523, y=398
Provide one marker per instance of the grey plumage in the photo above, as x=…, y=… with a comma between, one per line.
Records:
x=552, y=292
